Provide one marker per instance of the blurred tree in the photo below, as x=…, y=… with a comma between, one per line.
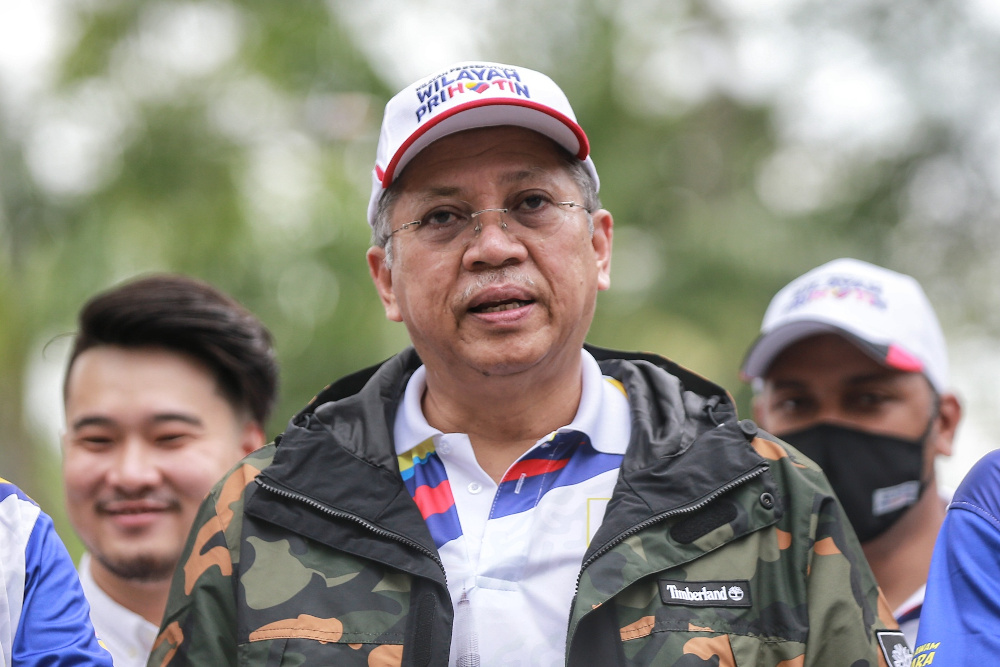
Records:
x=739, y=144
x=228, y=140
x=683, y=144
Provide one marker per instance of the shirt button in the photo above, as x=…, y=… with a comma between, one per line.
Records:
x=475, y=487
x=445, y=449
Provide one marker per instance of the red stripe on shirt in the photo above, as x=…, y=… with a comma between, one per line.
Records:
x=434, y=500
x=532, y=467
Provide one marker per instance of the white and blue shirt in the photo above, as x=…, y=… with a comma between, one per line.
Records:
x=512, y=551
x=44, y=618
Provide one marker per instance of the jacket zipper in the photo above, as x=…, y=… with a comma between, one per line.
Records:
x=656, y=519
x=356, y=519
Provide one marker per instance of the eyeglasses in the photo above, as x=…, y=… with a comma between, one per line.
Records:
x=531, y=218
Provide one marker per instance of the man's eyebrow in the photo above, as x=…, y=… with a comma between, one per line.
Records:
x=883, y=376
x=435, y=192
x=92, y=421
x=177, y=417
x=787, y=384
x=523, y=175
x=98, y=420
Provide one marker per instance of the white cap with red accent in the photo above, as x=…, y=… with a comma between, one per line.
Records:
x=885, y=313
x=466, y=96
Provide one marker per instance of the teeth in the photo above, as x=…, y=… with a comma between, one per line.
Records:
x=503, y=306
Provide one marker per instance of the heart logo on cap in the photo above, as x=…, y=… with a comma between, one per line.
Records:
x=478, y=87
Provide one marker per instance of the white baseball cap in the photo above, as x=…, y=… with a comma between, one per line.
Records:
x=886, y=314
x=466, y=96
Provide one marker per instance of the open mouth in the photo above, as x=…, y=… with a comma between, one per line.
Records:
x=500, y=306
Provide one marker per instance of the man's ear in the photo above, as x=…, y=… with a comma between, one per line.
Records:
x=252, y=438
x=382, y=277
x=757, y=409
x=949, y=414
x=603, y=232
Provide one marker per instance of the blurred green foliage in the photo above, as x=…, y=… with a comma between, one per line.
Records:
x=247, y=164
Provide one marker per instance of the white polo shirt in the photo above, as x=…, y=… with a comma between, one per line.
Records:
x=128, y=636
x=512, y=552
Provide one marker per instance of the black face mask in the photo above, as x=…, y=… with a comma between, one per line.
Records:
x=876, y=477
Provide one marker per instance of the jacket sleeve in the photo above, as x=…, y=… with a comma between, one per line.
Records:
x=848, y=620
x=199, y=626
x=848, y=614
x=54, y=628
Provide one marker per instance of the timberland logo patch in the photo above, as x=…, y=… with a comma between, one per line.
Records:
x=706, y=593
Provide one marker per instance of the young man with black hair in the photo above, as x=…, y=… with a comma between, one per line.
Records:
x=169, y=383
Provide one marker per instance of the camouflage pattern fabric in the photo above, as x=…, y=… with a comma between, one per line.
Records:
x=795, y=592
x=720, y=546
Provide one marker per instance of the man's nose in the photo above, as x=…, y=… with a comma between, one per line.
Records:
x=493, y=244
x=135, y=466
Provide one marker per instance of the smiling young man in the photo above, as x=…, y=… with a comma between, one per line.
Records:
x=499, y=494
x=168, y=385
x=851, y=369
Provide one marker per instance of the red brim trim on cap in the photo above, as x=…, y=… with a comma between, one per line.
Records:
x=770, y=345
x=390, y=170
x=898, y=358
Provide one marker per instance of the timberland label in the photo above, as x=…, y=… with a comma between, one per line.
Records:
x=706, y=593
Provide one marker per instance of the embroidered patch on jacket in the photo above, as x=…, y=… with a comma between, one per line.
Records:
x=706, y=593
x=894, y=648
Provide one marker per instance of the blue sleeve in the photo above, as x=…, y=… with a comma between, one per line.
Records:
x=55, y=628
x=960, y=621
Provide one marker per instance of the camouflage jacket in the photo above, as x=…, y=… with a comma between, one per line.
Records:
x=720, y=546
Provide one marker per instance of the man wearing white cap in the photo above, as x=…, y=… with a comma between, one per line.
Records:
x=499, y=494
x=851, y=369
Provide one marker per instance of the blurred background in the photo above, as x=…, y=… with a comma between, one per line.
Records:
x=739, y=145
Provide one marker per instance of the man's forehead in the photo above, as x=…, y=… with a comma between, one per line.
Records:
x=106, y=368
x=435, y=188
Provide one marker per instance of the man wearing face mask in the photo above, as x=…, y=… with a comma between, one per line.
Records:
x=851, y=369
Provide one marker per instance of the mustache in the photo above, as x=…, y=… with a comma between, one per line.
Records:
x=504, y=274
x=109, y=504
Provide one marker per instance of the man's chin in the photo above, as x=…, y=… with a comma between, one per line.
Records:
x=515, y=360
x=143, y=568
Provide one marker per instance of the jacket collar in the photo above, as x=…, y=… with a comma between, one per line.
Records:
x=686, y=446
x=681, y=450
x=337, y=452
